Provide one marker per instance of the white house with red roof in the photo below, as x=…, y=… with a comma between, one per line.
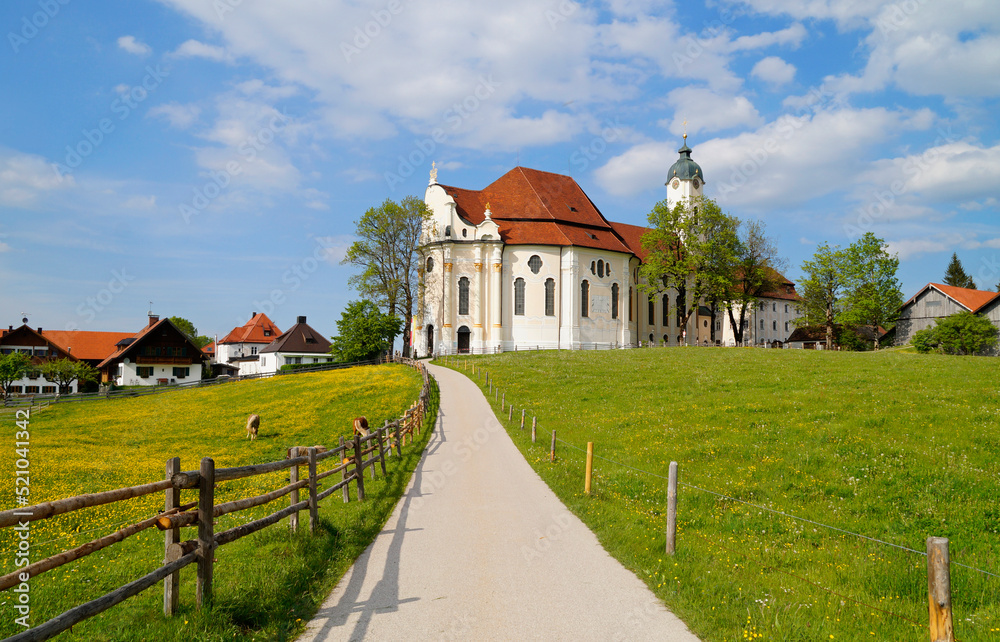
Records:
x=242, y=346
x=936, y=301
x=771, y=320
x=530, y=261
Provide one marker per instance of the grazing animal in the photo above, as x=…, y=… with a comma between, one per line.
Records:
x=253, y=423
x=361, y=426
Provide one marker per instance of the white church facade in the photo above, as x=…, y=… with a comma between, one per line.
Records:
x=530, y=262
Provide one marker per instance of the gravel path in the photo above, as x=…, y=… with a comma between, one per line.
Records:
x=479, y=548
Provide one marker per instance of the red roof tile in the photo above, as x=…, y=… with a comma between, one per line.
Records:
x=971, y=299
x=534, y=207
x=84, y=344
x=253, y=331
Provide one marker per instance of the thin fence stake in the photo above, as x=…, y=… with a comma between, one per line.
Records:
x=522, y=418
x=293, y=497
x=313, y=505
x=590, y=466
x=172, y=582
x=552, y=449
x=939, y=590
x=206, y=533
x=510, y=412
x=503, y=401
x=672, y=509
x=534, y=425
x=343, y=474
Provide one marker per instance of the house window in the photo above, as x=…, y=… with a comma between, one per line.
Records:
x=535, y=263
x=652, y=312
x=48, y=390
x=430, y=264
x=614, y=300
x=180, y=373
x=774, y=325
x=762, y=324
x=786, y=308
x=666, y=309
x=31, y=390
x=762, y=305
x=550, y=297
x=267, y=333
x=718, y=326
x=16, y=390
x=600, y=269
x=32, y=374
x=774, y=307
x=463, y=295
x=585, y=299
x=786, y=326
x=253, y=350
x=144, y=372
x=519, y=296
x=593, y=267
x=294, y=360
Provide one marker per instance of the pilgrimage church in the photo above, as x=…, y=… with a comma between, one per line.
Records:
x=530, y=261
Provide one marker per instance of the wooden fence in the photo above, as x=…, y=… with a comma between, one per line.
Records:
x=352, y=457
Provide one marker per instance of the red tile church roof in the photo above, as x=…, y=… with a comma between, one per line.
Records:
x=534, y=207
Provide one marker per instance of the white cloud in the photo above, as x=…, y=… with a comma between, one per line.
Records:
x=179, y=116
x=774, y=71
x=911, y=248
x=950, y=171
x=708, y=111
x=141, y=203
x=133, y=46
x=336, y=247
x=196, y=49
x=4, y=247
x=26, y=178
x=792, y=37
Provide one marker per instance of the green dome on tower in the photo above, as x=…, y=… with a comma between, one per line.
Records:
x=685, y=168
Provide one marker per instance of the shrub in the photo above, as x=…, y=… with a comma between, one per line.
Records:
x=963, y=333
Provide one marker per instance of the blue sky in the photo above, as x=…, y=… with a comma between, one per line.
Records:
x=212, y=156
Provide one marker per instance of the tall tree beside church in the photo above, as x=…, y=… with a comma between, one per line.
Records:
x=872, y=293
x=822, y=288
x=692, y=249
x=386, y=252
x=756, y=272
x=957, y=276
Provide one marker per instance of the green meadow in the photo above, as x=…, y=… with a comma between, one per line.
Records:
x=267, y=585
x=784, y=455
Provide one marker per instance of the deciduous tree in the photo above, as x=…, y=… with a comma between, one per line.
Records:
x=691, y=249
x=822, y=287
x=386, y=252
x=757, y=264
x=12, y=367
x=188, y=328
x=872, y=293
x=364, y=332
x=63, y=372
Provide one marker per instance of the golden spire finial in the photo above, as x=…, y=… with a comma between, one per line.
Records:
x=685, y=129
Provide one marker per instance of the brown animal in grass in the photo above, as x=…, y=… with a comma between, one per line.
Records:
x=361, y=426
x=253, y=423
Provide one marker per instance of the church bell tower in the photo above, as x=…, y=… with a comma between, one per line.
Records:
x=685, y=179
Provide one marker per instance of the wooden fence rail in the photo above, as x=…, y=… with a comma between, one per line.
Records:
x=352, y=458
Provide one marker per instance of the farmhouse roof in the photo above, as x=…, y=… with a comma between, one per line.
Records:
x=300, y=338
x=532, y=207
x=971, y=300
x=253, y=331
x=86, y=344
x=27, y=336
x=164, y=324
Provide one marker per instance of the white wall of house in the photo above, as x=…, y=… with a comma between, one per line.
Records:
x=768, y=320
x=271, y=362
x=153, y=374
x=37, y=385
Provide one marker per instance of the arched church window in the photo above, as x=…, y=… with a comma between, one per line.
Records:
x=463, y=295
x=585, y=298
x=614, y=300
x=652, y=312
x=519, y=296
x=430, y=264
x=550, y=297
x=666, y=309
x=593, y=267
x=535, y=263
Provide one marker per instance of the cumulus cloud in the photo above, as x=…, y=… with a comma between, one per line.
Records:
x=196, y=49
x=133, y=46
x=708, y=111
x=774, y=71
x=25, y=179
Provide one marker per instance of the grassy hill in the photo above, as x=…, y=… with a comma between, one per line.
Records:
x=264, y=584
x=893, y=446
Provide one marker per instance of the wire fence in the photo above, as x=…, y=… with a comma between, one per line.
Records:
x=490, y=381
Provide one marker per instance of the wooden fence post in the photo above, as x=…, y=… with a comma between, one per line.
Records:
x=359, y=472
x=590, y=466
x=672, y=509
x=343, y=473
x=399, y=443
x=381, y=445
x=939, y=589
x=206, y=533
x=534, y=426
x=313, y=504
x=510, y=412
x=552, y=449
x=171, y=583
x=503, y=401
x=522, y=418
x=293, y=498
